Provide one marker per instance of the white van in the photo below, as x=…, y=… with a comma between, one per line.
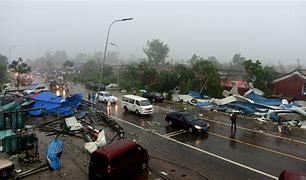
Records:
x=137, y=104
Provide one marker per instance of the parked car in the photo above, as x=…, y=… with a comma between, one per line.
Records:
x=106, y=96
x=187, y=120
x=118, y=160
x=154, y=97
x=37, y=89
x=112, y=86
x=137, y=104
x=89, y=85
x=95, y=87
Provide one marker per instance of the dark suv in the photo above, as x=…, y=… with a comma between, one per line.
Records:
x=154, y=97
x=118, y=160
x=95, y=87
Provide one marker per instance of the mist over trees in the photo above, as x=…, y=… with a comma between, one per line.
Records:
x=237, y=62
x=156, y=51
x=157, y=73
x=3, y=69
x=56, y=59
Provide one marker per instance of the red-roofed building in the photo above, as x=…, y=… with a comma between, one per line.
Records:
x=292, y=84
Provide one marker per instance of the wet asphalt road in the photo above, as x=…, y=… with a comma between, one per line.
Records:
x=249, y=154
x=218, y=154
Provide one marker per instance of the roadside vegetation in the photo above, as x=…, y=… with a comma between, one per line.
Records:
x=157, y=72
x=3, y=69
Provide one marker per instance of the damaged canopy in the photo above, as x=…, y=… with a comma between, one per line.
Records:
x=52, y=104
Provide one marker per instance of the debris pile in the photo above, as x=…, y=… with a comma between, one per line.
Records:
x=59, y=116
x=252, y=103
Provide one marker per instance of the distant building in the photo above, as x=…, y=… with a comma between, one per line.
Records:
x=242, y=85
x=291, y=85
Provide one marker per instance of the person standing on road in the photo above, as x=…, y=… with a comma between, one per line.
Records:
x=233, y=119
x=89, y=97
x=280, y=124
x=109, y=107
x=93, y=97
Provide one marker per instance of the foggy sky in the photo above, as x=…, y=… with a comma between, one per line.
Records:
x=269, y=31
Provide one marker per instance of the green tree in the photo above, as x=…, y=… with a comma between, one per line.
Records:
x=3, y=69
x=194, y=58
x=207, y=78
x=58, y=57
x=68, y=64
x=261, y=77
x=185, y=78
x=156, y=51
x=147, y=75
x=167, y=80
x=130, y=78
x=89, y=72
x=237, y=62
x=19, y=67
x=214, y=61
x=82, y=58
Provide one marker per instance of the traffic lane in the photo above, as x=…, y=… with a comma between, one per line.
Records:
x=259, y=159
x=156, y=121
x=211, y=115
x=250, y=123
x=259, y=139
x=270, y=142
x=144, y=121
x=218, y=143
x=187, y=156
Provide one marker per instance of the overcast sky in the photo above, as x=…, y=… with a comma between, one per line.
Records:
x=269, y=31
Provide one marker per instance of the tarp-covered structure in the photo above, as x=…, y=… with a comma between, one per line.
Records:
x=49, y=103
x=254, y=103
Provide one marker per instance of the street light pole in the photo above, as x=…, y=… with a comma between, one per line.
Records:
x=10, y=60
x=104, y=54
x=117, y=62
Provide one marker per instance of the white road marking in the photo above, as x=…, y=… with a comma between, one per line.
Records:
x=239, y=127
x=267, y=134
x=174, y=133
x=201, y=150
x=259, y=147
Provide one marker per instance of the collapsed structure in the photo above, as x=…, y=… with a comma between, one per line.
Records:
x=252, y=103
x=61, y=116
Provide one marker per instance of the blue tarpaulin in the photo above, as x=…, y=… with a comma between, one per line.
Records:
x=52, y=104
x=54, y=152
x=206, y=104
x=265, y=101
x=253, y=105
x=243, y=107
x=195, y=94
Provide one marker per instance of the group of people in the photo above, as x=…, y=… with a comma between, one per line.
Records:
x=92, y=97
x=280, y=125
